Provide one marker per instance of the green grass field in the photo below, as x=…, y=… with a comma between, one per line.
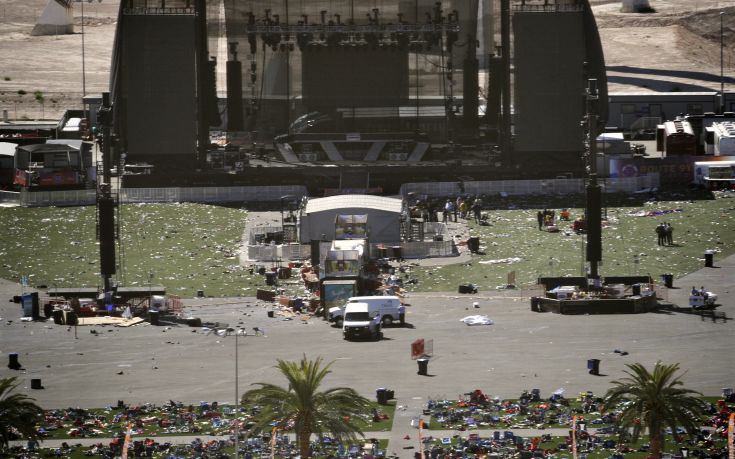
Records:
x=512, y=242
x=186, y=247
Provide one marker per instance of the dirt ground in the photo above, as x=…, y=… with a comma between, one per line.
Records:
x=676, y=48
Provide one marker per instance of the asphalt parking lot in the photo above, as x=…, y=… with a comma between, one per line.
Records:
x=96, y=366
x=521, y=350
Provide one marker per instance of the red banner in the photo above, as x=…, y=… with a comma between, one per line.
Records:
x=417, y=349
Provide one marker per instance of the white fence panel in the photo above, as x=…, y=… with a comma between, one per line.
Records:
x=57, y=198
x=295, y=252
x=529, y=187
x=10, y=197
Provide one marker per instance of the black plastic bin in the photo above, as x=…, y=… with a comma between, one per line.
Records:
x=382, y=396
x=13, y=361
x=270, y=278
x=423, y=366
x=668, y=280
x=71, y=318
x=709, y=258
x=153, y=317
x=593, y=365
x=636, y=289
x=473, y=244
x=58, y=315
x=48, y=309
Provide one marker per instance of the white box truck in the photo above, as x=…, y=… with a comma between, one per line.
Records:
x=361, y=321
x=389, y=307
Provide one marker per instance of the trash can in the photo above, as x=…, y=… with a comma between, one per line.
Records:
x=200, y=293
x=423, y=367
x=48, y=309
x=535, y=302
x=709, y=258
x=36, y=383
x=284, y=273
x=58, y=316
x=668, y=280
x=380, y=395
x=153, y=317
x=270, y=314
x=13, y=361
x=473, y=244
x=71, y=318
x=397, y=252
x=636, y=289
x=382, y=252
x=593, y=365
x=270, y=278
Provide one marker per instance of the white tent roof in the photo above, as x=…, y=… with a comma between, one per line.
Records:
x=346, y=201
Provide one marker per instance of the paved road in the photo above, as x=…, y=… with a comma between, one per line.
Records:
x=523, y=350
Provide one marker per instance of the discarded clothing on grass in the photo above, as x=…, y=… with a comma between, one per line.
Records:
x=500, y=261
x=655, y=213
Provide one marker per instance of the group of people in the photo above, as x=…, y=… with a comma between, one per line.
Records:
x=462, y=207
x=700, y=292
x=467, y=207
x=665, y=233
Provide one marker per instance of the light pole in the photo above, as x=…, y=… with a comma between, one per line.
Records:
x=722, y=66
x=84, y=73
x=237, y=401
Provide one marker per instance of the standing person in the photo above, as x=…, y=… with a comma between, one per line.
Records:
x=463, y=208
x=477, y=209
x=660, y=233
x=540, y=218
x=457, y=203
x=669, y=234
x=447, y=211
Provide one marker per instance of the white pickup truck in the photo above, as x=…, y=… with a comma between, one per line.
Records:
x=389, y=307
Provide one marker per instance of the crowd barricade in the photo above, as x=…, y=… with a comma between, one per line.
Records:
x=10, y=197
x=295, y=252
x=560, y=186
x=166, y=194
x=57, y=198
x=260, y=231
x=263, y=252
x=425, y=249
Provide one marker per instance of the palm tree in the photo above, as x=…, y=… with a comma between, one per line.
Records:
x=654, y=401
x=303, y=408
x=18, y=412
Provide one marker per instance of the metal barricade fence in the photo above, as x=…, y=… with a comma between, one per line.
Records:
x=528, y=187
x=295, y=252
x=262, y=230
x=168, y=194
x=10, y=197
x=428, y=249
x=57, y=198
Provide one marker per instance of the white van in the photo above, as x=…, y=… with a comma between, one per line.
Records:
x=389, y=307
x=361, y=321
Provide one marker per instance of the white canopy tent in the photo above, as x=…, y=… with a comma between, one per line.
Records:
x=383, y=217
